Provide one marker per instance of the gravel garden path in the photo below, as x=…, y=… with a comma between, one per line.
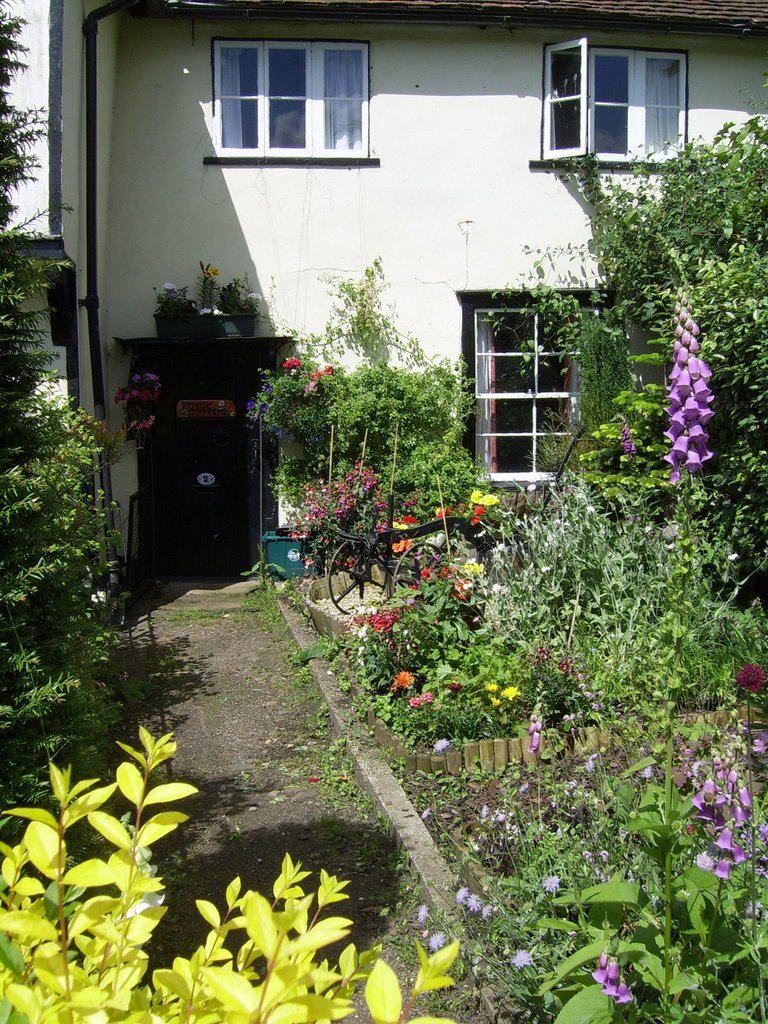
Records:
x=251, y=733
x=219, y=670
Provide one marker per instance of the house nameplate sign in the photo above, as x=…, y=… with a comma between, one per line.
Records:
x=205, y=409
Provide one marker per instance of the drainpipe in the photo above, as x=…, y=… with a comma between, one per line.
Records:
x=91, y=301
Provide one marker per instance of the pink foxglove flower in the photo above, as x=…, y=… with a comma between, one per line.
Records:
x=689, y=396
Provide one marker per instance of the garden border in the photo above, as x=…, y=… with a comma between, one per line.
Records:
x=488, y=754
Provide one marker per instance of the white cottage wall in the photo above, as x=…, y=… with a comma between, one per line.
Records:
x=454, y=205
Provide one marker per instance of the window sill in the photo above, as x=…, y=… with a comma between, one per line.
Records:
x=292, y=161
x=573, y=163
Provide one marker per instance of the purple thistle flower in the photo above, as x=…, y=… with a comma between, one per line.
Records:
x=551, y=884
x=487, y=911
x=474, y=904
x=436, y=941
x=441, y=746
x=423, y=913
x=705, y=862
x=521, y=959
x=689, y=397
x=751, y=677
x=462, y=895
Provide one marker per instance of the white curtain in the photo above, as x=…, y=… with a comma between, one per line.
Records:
x=662, y=103
x=231, y=120
x=343, y=99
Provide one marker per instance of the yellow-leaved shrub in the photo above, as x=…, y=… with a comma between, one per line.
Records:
x=73, y=936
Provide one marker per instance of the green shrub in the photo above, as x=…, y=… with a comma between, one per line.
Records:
x=407, y=424
x=72, y=935
x=656, y=234
x=53, y=638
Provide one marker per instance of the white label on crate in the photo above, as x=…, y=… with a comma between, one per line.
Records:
x=294, y=555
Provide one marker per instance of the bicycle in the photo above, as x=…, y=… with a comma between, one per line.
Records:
x=386, y=558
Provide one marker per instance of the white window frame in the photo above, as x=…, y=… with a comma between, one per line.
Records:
x=314, y=104
x=636, y=143
x=484, y=436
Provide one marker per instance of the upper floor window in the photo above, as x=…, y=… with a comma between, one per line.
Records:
x=617, y=104
x=278, y=98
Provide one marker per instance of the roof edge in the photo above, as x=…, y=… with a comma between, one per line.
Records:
x=445, y=13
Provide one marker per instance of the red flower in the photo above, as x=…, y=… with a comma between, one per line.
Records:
x=751, y=677
x=292, y=364
x=409, y=520
x=455, y=687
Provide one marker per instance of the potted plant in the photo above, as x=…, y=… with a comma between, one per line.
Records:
x=138, y=399
x=216, y=311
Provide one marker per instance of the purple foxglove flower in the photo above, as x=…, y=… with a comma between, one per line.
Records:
x=723, y=870
x=601, y=974
x=623, y=995
x=689, y=398
x=627, y=445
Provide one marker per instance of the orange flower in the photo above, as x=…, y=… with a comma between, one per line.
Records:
x=402, y=681
x=401, y=545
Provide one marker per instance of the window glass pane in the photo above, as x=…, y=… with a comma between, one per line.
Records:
x=512, y=416
x=566, y=73
x=662, y=92
x=662, y=81
x=661, y=129
x=343, y=73
x=343, y=124
x=239, y=71
x=611, y=84
x=511, y=373
x=287, y=124
x=513, y=332
x=239, y=124
x=611, y=130
x=512, y=455
x=551, y=374
x=565, y=127
x=287, y=72
x=551, y=414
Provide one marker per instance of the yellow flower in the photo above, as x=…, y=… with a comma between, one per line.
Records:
x=478, y=498
x=492, y=687
x=510, y=692
x=212, y=271
x=473, y=568
x=495, y=701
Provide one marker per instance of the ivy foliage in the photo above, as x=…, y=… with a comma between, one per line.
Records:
x=698, y=222
x=53, y=638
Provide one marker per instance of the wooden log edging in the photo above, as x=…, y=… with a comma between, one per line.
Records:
x=491, y=755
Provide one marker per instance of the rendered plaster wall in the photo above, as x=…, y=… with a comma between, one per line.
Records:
x=455, y=119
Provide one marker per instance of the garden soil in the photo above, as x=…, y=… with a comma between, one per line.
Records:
x=219, y=671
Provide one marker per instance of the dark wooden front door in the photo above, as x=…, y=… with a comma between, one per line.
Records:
x=208, y=470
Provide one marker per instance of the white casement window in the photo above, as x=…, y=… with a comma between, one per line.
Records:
x=276, y=98
x=526, y=389
x=617, y=104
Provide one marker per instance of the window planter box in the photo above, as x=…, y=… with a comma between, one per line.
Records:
x=226, y=326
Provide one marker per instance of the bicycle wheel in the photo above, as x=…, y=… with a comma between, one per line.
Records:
x=350, y=570
x=422, y=556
